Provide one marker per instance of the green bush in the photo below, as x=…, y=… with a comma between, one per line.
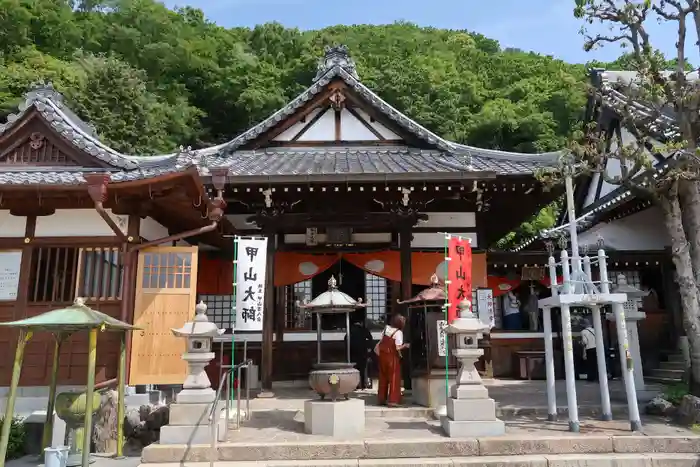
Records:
x=674, y=393
x=15, y=446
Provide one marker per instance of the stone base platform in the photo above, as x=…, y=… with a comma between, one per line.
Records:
x=403, y=451
x=339, y=419
x=557, y=460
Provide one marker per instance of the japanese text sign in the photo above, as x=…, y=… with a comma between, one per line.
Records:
x=459, y=274
x=251, y=264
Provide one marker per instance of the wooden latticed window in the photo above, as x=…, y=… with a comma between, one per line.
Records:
x=101, y=274
x=220, y=309
x=167, y=270
x=53, y=274
x=377, y=293
x=59, y=274
x=295, y=318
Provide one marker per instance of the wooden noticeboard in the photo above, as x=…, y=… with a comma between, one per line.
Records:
x=10, y=262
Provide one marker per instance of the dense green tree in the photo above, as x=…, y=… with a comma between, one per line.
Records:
x=150, y=78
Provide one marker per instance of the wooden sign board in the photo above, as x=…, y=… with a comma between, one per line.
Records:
x=10, y=262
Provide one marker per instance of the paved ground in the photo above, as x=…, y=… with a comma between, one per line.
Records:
x=507, y=393
x=281, y=418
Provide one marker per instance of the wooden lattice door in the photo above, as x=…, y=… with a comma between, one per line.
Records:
x=166, y=288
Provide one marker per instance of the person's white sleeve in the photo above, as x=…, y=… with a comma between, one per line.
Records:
x=398, y=337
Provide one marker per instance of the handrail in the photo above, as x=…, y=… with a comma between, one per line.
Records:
x=214, y=416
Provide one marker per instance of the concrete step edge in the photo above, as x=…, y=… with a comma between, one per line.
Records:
x=568, y=460
x=484, y=448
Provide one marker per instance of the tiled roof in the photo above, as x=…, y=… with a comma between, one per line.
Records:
x=74, y=175
x=447, y=157
x=615, y=88
x=355, y=161
x=339, y=68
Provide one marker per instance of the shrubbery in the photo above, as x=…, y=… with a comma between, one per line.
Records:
x=15, y=446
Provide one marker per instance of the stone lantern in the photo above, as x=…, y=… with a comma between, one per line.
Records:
x=189, y=414
x=632, y=316
x=470, y=411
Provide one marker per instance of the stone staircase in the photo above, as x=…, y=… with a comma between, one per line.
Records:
x=670, y=371
x=512, y=451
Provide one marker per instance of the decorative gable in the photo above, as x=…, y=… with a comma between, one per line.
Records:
x=338, y=109
x=34, y=143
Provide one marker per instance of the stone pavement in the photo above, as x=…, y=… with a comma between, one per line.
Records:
x=31, y=461
x=516, y=395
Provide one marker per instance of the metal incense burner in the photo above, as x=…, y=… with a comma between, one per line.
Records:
x=333, y=379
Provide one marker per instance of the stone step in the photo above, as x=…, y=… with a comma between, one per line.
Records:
x=675, y=357
x=428, y=447
x=672, y=366
x=555, y=460
x=668, y=374
x=665, y=381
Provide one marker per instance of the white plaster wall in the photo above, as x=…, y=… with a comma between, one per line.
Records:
x=381, y=129
x=290, y=132
x=644, y=230
x=239, y=221
x=592, y=188
x=12, y=226
x=351, y=129
x=454, y=220
x=150, y=229
x=437, y=240
x=77, y=223
x=322, y=130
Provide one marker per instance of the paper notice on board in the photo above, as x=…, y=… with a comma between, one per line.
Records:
x=10, y=262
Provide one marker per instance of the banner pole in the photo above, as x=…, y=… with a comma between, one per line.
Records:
x=447, y=307
x=233, y=317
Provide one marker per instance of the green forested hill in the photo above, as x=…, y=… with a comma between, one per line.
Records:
x=151, y=79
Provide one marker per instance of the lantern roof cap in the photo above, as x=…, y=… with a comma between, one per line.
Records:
x=623, y=287
x=332, y=301
x=200, y=326
x=434, y=293
x=74, y=318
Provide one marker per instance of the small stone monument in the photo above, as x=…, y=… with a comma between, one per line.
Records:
x=470, y=411
x=189, y=414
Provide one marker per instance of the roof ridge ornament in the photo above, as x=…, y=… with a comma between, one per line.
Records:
x=41, y=89
x=336, y=55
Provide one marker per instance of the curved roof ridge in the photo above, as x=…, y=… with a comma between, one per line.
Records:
x=550, y=156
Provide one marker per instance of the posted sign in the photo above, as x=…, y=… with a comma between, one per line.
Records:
x=251, y=264
x=10, y=262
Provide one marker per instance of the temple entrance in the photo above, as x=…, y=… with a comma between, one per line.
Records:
x=351, y=280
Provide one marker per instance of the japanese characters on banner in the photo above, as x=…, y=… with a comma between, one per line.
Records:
x=459, y=274
x=10, y=262
x=251, y=263
x=484, y=303
x=442, y=337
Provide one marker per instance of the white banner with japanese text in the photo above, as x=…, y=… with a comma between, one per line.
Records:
x=484, y=306
x=251, y=264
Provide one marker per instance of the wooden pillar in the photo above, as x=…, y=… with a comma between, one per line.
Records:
x=269, y=317
x=19, y=311
x=405, y=238
x=280, y=305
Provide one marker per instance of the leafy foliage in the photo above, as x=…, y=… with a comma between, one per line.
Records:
x=15, y=445
x=150, y=78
